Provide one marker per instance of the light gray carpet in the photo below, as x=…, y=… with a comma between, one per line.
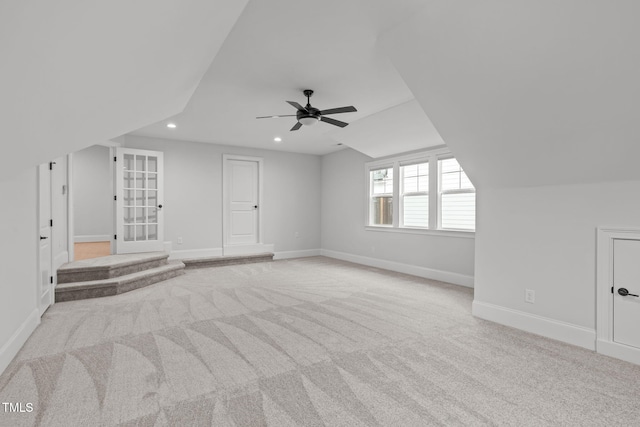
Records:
x=305, y=342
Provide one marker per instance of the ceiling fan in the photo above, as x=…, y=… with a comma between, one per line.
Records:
x=310, y=116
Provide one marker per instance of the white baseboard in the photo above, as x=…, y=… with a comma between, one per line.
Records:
x=9, y=350
x=550, y=328
x=257, y=248
x=619, y=351
x=92, y=238
x=414, y=270
x=61, y=258
x=195, y=253
x=296, y=254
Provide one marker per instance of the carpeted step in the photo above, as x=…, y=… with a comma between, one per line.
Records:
x=109, y=267
x=117, y=285
x=221, y=261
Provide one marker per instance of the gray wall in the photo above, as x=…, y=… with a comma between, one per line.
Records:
x=18, y=262
x=92, y=193
x=544, y=239
x=193, y=194
x=344, y=190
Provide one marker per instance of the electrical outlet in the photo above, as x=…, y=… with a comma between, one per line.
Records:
x=179, y=240
x=529, y=296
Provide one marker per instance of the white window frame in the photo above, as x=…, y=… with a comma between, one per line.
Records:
x=440, y=193
x=432, y=157
x=392, y=194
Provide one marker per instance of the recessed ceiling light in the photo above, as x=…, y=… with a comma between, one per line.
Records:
x=171, y=125
x=277, y=139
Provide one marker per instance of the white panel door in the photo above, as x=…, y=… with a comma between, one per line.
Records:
x=45, y=276
x=626, y=291
x=242, y=182
x=139, y=201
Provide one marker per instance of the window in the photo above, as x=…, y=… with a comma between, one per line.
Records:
x=427, y=191
x=381, y=196
x=415, y=195
x=457, y=197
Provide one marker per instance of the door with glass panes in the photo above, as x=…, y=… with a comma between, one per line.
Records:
x=139, y=198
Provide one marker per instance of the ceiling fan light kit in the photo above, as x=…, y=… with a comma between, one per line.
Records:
x=309, y=115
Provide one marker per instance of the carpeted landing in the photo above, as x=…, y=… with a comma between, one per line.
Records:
x=306, y=342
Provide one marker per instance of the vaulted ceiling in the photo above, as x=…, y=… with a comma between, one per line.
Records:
x=524, y=93
x=280, y=47
x=528, y=93
x=76, y=73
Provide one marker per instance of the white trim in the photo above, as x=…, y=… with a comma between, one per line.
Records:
x=428, y=231
x=258, y=248
x=58, y=260
x=414, y=270
x=92, y=238
x=550, y=328
x=228, y=249
x=70, y=210
x=296, y=254
x=195, y=253
x=619, y=351
x=13, y=345
x=604, y=297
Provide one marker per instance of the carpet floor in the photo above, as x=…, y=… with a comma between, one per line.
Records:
x=304, y=342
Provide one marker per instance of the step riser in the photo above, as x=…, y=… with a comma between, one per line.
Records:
x=192, y=264
x=100, y=274
x=115, y=289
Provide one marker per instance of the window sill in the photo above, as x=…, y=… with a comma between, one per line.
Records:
x=442, y=233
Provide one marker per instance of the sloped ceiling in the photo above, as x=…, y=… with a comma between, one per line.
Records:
x=528, y=92
x=401, y=128
x=280, y=47
x=75, y=73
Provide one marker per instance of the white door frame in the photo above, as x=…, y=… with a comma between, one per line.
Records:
x=604, y=296
x=70, y=199
x=44, y=303
x=123, y=246
x=259, y=247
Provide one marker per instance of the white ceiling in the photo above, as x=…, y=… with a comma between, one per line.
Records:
x=528, y=93
x=77, y=73
x=280, y=47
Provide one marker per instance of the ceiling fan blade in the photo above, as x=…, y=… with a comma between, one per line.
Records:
x=350, y=109
x=297, y=126
x=333, y=122
x=276, y=117
x=297, y=106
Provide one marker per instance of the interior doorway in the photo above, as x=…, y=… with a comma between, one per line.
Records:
x=92, y=183
x=242, y=197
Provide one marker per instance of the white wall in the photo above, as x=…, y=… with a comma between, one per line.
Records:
x=92, y=194
x=18, y=263
x=544, y=238
x=344, y=190
x=193, y=194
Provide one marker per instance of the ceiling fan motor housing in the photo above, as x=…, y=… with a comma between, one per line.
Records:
x=309, y=117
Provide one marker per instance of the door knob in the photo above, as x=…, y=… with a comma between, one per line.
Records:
x=43, y=237
x=624, y=292
x=255, y=206
x=159, y=206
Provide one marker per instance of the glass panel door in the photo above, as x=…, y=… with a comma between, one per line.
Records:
x=139, y=182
